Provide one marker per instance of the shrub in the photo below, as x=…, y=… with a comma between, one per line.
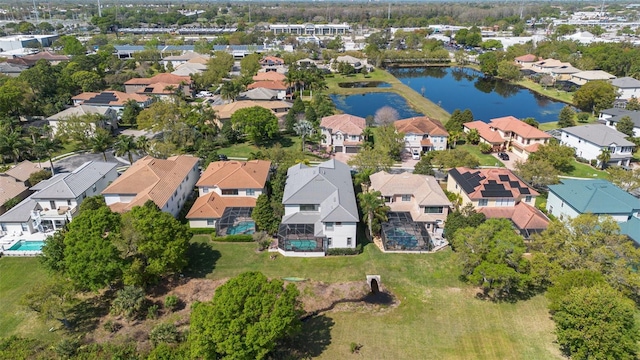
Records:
x=67, y=348
x=38, y=176
x=582, y=160
x=263, y=239
x=164, y=333
x=111, y=326
x=594, y=162
x=485, y=148
x=234, y=238
x=583, y=117
x=355, y=347
x=152, y=312
x=128, y=302
x=345, y=251
x=171, y=302
x=203, y=231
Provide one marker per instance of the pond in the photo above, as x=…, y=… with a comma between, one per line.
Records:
x=364, y=84
x=460, y=88
x=367, y=104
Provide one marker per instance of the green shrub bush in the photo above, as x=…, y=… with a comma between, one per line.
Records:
x=345, y=251
x=234, y=238
x=203, y=231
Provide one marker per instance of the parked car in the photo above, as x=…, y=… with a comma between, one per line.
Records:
x=222, y=157
x=203, y=94
x=503, y=156
x=415, y=155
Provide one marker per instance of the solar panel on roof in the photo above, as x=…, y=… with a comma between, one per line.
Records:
x=503, y=177
x=102, y=98
x=524, y=191
x=514, y=184
x=496, y=193
x=494, y=187
x=491, y=182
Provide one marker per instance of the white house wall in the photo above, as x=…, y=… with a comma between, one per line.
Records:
x=340, y=234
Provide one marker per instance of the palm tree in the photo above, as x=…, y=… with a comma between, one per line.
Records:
x=48, y=146
x=124, y=145
x=142, y=144
x=101, y=142
x=604, y=157
x=12, y=144
x=35, y=133
x=373, y=209
x=303, y=128
x=453, y=138
x=231, y=89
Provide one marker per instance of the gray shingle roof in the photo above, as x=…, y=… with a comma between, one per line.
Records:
x=626, y=82
x=618, y=114
x=599, y=134
x=329, y=185
x=79, y=111
x=71, y=185
x=19, y=213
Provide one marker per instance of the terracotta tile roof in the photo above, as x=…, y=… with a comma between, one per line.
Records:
x=23, y=170
x=485, y=131
x=251, y=174
x=527, y=58
x=425, y=142
x=513, y=124
x=421, y=125
x=151, y=179
x=524, y=216
x=272, y=59
x=269, y=76
x=212, y=205
x=166, y=78
x=225, y=111
x=109, y=98
x=47, y=56
x=273, y=85
x=344, y=123
x=10, y=187
x=157, y=89
x=490, y=183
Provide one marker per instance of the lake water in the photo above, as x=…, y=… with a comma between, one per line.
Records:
x=367, y=104
x=459, y=88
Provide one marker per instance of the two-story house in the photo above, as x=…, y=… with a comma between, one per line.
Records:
x=498, y=193
x=611, y=117
x=573, y=197
x=590, y=140
x=510, y=133
x=320, y=210
x=168, y=183
x=105, y=118
x=342, y=132
x=160, y=85
x=228, y=190
x=422, y=134
x=419, y=200
x=627, y=87
x=55, y=200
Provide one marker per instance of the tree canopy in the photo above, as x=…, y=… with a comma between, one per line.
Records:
x=257, y=123
x=595, y=96
x=246, y=319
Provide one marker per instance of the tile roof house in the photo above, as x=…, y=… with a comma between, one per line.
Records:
x=584, y=77
x=168, y=183
x=271, y=61
x=419, y=195
x=224, y=112
x=342, y=132
x=611, y=117
x=109, y=116
x=157, y=84
x=498, y=193
x=628, y=87
x=526, y=59
x=14, y=183
x=259, y=94
x=52, y=58
x=591, y=139
x=320, y=210
x=510, y=132
x=277, y=85
x=112, y=99
x=177, y=60
x=12, y=70
x=55, y=200
x=573, y=197
x=188, y=69
x=422, y=134
x=270, y=76
x=225, y=188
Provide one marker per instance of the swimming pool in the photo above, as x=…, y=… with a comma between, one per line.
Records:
x=301, y=245
x=399, y=237
x=243, y=227
x=23, y=245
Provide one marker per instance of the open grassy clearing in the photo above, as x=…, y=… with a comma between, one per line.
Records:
x=549, y=92
x=438, y=317
x=485, y=159
x=17, y=277
x=586, y=171
x=415, y=100
x=246, y=149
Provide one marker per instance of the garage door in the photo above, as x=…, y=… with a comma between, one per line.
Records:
x=337, y=149
x=351, y=149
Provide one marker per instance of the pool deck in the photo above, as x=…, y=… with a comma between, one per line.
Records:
x=7, y=241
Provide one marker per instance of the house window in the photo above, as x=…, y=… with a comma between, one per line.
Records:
x=25, y=227
x=205, y=190
x=349, y=241
x=93, y=188
x=211, y=222
x=251, y=192
x=308, y=207
x=329, y=226
x=229, y=191
x=329, y=240
x=433, y=210
x=504, y=202
x=3, y=227
x=527, y=199
x=550, y=209
x=52, y=204
x=562, y=204
x=483, y=202
x=69, y=202
x=387, y=199
x=406, y=197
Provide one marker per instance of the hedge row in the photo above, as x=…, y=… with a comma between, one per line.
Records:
x=203, y=231
x=234, y=238
x=345, y=251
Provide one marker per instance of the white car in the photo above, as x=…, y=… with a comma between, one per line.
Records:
x=202, y=94
x=415, y=154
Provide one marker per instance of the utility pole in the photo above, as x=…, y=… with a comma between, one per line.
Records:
x=389, y=12
x=99, y=9
x=36, y=11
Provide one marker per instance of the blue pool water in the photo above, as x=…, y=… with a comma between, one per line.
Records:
x=398, y=237
x=24, y=245
x=243, y=227
x=301, y=245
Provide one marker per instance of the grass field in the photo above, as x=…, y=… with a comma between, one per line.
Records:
x=549, y=92
x=586, y=171
x=485, y=159
x=439, y=317
x=415, y=100
x=245, y=149
x=17, y=276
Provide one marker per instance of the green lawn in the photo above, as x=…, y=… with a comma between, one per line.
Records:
x=17, y=276
x=439, y=317
x=245, y=149
x=485, y=159
x=549, y=92
x=415, y=100
x=586, y=171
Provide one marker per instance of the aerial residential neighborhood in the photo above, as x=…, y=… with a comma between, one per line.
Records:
x=301, y=180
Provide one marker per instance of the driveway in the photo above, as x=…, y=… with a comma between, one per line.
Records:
x=511, y=163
